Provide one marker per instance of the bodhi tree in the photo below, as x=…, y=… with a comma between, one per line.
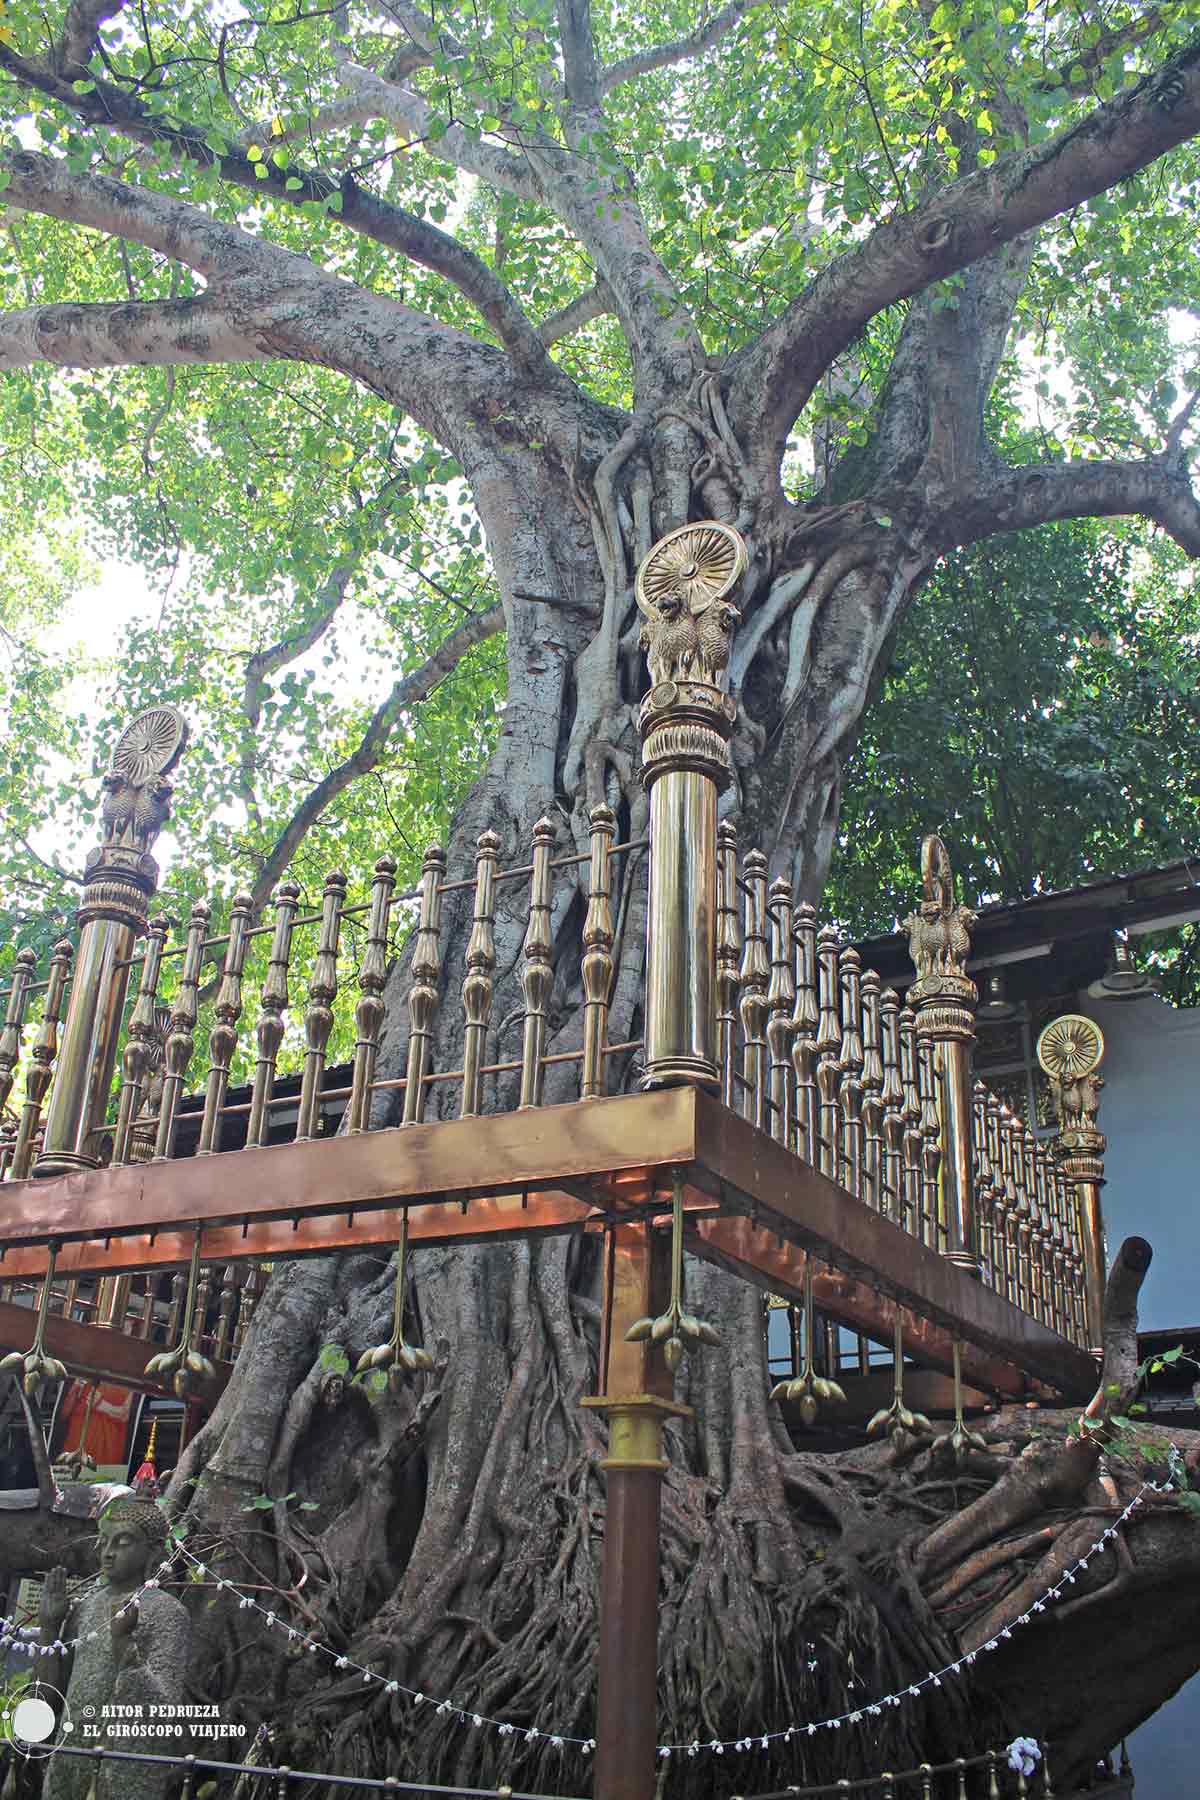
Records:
x=612, y=269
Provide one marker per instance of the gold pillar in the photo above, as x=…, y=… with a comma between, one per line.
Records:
x=944, y=998
x=119, y=877
x=685, y=721
x=1070, y=1050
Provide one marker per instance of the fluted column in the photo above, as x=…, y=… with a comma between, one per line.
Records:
x=120, y=876
x=685, y=721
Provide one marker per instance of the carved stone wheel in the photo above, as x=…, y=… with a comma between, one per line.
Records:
x=698, y=563
x=1070, y=1046
x=150, y=745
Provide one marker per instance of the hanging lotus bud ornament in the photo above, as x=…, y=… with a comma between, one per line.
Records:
x=31, y=1367
x=677, y=1331
x=958, y=1443
x=398, y=1358
x=183, y=1365
x=904, y=1427
x=807, y=1391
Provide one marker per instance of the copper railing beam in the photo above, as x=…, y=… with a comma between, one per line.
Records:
x=550, y=1169
x=425, y=1165
x=778, y=1267
x=788, y=1199
x=95, y=1350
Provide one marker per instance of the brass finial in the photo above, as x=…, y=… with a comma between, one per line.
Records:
x=682, y=592
x=939, y=939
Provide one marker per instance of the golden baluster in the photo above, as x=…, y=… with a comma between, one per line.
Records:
x=872, y=1084
x=850, y=1094
x=829, y=1047
x=931, y=1142
x=804, y=1030
x=480, y=978
x=912, y=1141
x=181, y=1036
x=891, y=1200
x=993, y=1764
x=1041, y=1228
x=228, y=1009
x=1013, y=1131
x=199, y=1329
x=268, y=1032
x=729, y=962
x=960, y=1764
x=1048, y=1779
x=139, y=1042
x=781, y=996
x=14, y=1019
x=985, y=1188
x=1024, y=1164
x=926, y=1774
x=318, y=1014
x=537, y=974
x=423, y=994
x=1002, y=1251
x=8, y=1147
x=41, y=1061
x=248, y=1299
x=755, y=974
x=597, y=966
x=368, y=1014
x=1051, y=1252
x=175, y=1305
x=223, y=1342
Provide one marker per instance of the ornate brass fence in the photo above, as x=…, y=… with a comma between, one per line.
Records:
x=812, y=1048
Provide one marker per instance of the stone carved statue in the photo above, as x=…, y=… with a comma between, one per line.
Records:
x=131, y=1657
x=939, y=937
x=682, y=593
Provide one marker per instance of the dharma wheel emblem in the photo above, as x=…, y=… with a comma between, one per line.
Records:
x=150, y=745
x=698, y=564
x=1070, y=1047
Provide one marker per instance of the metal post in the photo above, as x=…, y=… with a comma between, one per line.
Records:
x=944, y=999
x=686, y=722
x=636, y=1388
x=1070, y=1050
x=119, y=878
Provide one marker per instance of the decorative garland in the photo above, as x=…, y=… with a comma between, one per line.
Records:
x=558, y=1740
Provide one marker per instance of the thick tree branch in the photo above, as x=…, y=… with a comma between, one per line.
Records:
x=662, y=56
x=1156, y=488
x=408, y=691
x=413, y=115
x=106, y=337
x=109, y=107
x=577, y=313
x=773, y=378
x=80, y=29
x=184, y=233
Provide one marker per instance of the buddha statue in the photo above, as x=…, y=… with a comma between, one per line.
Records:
x=131, y=1653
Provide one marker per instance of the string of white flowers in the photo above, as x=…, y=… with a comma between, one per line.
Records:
x=559, y=1740
x=10, y=1628
x=935, y=1677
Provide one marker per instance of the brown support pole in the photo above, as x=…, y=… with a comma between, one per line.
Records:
x=636, y=1396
